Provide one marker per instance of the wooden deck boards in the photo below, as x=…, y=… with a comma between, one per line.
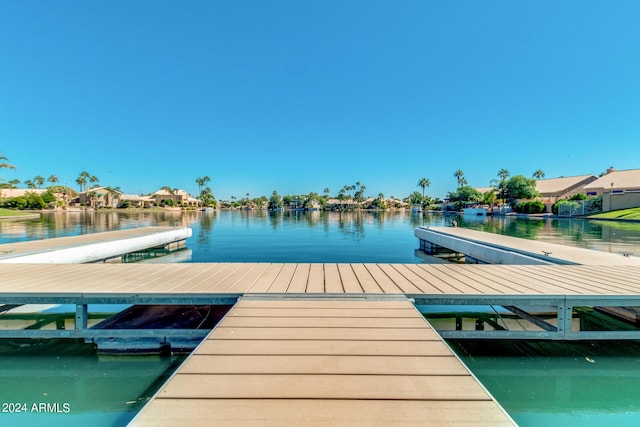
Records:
x=338, y=369
x=318, y=279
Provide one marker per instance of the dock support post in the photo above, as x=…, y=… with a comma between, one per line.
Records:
x=565, y=320
x=81, y=317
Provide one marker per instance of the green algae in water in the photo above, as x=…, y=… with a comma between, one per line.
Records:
x=65, y=383
x=559, y=383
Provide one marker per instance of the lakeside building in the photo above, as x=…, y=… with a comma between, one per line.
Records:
x=98, y=197
x=178, y=196
x=553, y=189
x=136, y=201
x=619, y=189
x=7, y=193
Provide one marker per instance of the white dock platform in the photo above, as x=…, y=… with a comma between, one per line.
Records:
x=494, y=248
x=94, y=247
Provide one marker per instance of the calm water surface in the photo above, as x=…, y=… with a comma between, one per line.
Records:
x=538, y=383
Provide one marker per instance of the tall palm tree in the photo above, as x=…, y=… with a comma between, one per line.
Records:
x=82, y=179
x=30, y=184
x=38, y=180
x=200, y=182
x=538, y=174
x=14, y=183
x=460, y=177
x=53, y=179
x=424, y=183
x=503, y=174
x=4, y=164
x=326, y=192
x=93, y=180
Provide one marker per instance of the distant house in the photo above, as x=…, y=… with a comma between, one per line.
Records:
x=136, y=201
x=179, y=197
x=98, y=197
x=620, y=189
x=7, y=193
x=554, y=189
x=19, y=192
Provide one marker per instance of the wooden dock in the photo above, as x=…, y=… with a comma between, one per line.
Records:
x=322, y=363
x=492, y=248
x=94, y=247
x=325, y=344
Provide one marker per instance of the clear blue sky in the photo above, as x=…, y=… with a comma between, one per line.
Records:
x=299, y=95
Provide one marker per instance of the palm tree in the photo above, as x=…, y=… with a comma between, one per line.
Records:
x=424, y=183
x=82, y=179
x=200, y=182
x=539, y=174
x=93, y=180
x=13, y=183
x=503, y=174
x=206, y=179
x=29, y=184
x=460, y=177
x=5, y=165
x=53, y=179
x=38, y=180
x=326, y=192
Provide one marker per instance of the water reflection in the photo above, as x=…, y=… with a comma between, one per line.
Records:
x=297, y=236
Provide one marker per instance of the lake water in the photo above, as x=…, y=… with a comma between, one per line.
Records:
x=538, y=383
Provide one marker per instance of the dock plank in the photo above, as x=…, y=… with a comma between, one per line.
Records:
x=324, y=413
x=316, y=279
x=288, y=386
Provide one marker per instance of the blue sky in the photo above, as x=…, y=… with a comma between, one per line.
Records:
x=296, y=96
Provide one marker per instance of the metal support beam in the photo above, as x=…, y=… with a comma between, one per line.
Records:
x=81, y=317
x=531, y=318
x=565, y=320
x=7, y=307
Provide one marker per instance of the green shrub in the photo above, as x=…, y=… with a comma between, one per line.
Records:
x=530, y=207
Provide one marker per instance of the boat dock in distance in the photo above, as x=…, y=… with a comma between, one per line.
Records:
x=479, y=247
x=108, y=246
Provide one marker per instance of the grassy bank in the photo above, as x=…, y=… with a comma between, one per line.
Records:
x=623, y=214
x=9, y=212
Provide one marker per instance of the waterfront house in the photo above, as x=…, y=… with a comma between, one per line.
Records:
x=98, y=197
x=554, y=189
x=179, y=198
x=135, y=201
x=619, y=189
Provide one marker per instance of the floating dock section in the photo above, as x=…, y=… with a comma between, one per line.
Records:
x=480, y=247
x=300, y=361
x=109, y=246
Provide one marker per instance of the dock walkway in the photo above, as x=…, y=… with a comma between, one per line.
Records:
x=322, y=363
